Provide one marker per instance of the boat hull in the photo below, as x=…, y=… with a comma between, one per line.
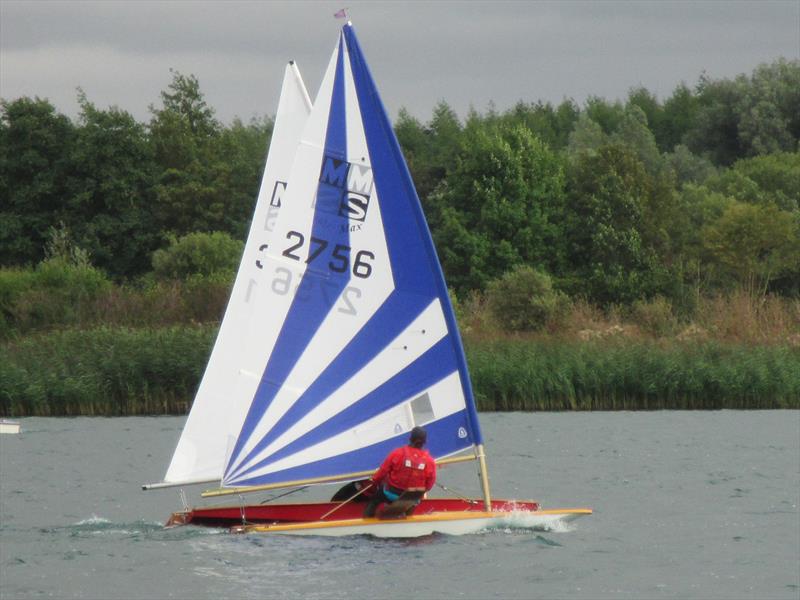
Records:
x=449, y=523
x=229, y=516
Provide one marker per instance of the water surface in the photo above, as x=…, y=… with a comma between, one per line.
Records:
x=687, y=505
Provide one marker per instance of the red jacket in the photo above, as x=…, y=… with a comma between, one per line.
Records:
x=407, y=468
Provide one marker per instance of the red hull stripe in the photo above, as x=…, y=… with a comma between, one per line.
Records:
x=294, y=513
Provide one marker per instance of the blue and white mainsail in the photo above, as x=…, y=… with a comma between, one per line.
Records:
x=358, y=342
x=231, y=376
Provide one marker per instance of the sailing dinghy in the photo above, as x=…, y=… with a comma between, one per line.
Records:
x=339, y=336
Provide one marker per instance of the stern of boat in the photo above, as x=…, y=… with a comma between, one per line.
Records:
x=179, y=518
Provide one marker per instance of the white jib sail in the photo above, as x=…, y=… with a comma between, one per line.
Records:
x=227, y=387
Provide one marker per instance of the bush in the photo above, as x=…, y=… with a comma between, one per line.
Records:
x=198, y=254
x=56, y=292
x=204, y=297
x=524, y=299
x=654, y=316
x=13, y=284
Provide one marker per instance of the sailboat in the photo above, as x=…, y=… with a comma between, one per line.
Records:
x=339, y=336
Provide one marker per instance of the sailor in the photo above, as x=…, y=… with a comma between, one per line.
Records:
x=408, y=470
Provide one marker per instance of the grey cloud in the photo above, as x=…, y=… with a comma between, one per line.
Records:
x=467, y=53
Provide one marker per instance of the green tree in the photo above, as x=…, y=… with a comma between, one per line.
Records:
x=241, y=149
x=647, y=102
x=777, y=177
x=35, y=149
x=633, y=132
x=110, y=197
x=688, y=167
x=198, y=254
x=748, y=116
x=609, y=261
x=698, y=207
x=445, y=138
x=552, y=125
x=415, y=140
x=496, y=209
x=63, y=289
x=715, y=129
x=756, y=244
x=680, y=112
x=523, y=299
x=429, y=150
x=606, y=114
x=184, y=135
x=586, y=137
x=735, y=184
x=769, y=108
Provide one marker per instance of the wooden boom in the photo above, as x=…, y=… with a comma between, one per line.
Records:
x=313, y=480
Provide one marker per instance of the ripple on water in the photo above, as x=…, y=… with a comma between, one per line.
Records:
x=99, y=527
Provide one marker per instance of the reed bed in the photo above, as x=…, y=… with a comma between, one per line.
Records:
x=624, y=375
x=122, y=371
x=104, y=371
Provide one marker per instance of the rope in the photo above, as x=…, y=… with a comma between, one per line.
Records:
x=353, y=497
x=184, y=502
x=271, y=498
x=455, y=493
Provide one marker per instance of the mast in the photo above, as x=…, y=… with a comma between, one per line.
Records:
x=484, y=475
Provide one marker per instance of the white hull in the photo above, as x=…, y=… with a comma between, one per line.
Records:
x=9, y=426
x=450, y=523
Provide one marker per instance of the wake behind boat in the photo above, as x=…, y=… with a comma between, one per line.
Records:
x=339, y=337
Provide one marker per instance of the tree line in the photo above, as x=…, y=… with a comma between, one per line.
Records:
x=611, y=201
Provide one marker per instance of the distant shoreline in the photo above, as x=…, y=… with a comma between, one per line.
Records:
x=118, y=371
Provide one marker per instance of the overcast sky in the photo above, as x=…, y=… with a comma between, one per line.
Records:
x=467, y=53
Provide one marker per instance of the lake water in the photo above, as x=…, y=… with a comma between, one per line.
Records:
x=687, y=505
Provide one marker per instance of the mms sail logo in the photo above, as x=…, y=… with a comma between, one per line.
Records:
x=344, y=188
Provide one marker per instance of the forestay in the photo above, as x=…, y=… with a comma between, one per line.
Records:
x=234, y=369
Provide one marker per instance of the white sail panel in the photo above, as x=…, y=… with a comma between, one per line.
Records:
x=217, y=412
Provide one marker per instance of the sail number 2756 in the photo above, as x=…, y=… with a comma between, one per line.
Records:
x=338, y=256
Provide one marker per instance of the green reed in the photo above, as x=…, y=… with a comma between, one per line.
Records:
x=104, y=371
x=632, y=375
x=122, y=371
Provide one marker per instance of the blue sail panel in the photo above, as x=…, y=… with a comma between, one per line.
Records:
x=442, y=435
